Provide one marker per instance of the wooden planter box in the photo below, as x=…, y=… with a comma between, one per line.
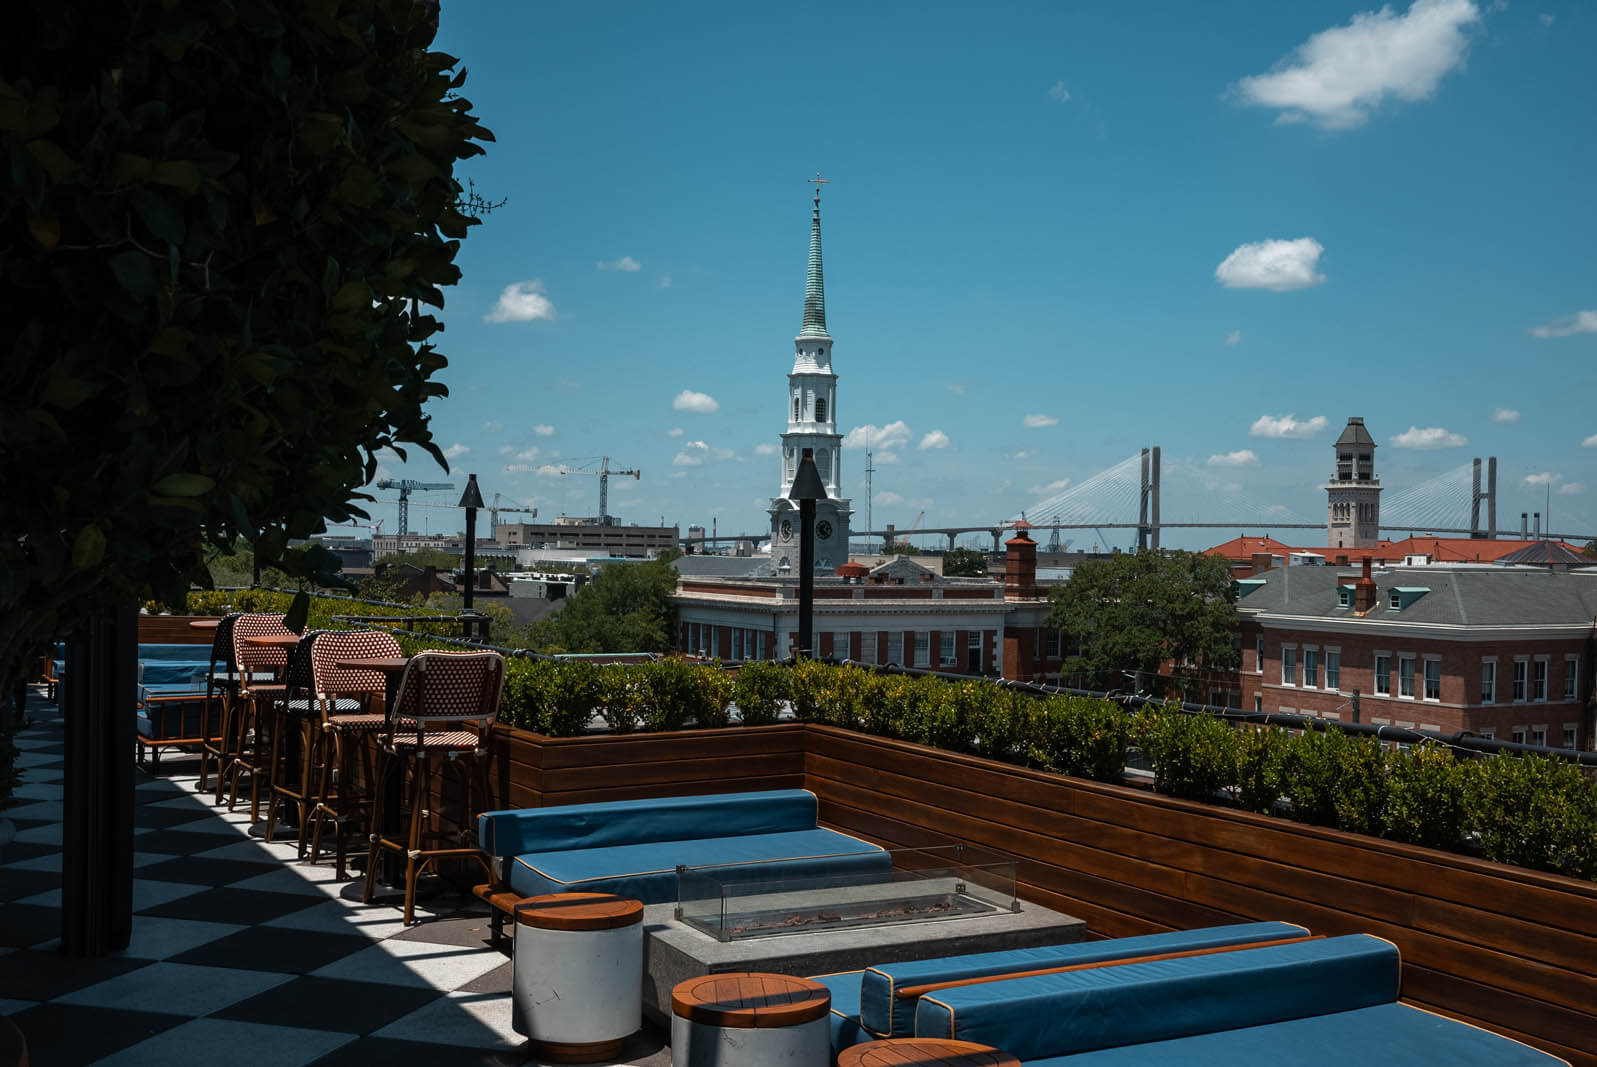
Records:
x=1512, y=949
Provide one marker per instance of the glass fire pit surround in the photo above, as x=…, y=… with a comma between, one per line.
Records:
x=733, y=901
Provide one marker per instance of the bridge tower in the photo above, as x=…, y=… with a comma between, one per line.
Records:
x=1353, y=496
x=1489, y=494
x=812, y=424
x=1147, y=527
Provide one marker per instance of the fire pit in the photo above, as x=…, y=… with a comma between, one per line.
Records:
x=733, y=901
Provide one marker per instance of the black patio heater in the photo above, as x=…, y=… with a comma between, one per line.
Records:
x=471, y=500
x=807, y=489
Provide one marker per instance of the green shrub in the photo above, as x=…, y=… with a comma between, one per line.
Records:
x=810, y=679
x=576, y=695
x=1425, y=797
x=1085, y=737
x=762, y=690
x=1534, y=811
x=1261, y=766
x=1336, y=779
x=994, y=716
x=708, y=691
x=526, y=699
x=1193, y=756
x=669, y=695
x=625, y=694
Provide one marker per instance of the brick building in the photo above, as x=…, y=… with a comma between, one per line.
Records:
x=899, y=613
x=1504, y=652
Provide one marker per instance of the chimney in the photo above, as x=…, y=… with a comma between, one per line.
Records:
x=1364, y=591
x=1020, y=566
x=1523, y=527
x=1262, y=561
x=1537, y=528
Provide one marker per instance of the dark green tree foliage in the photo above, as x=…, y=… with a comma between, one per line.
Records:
x=1193, y=756
x=219, y=223
x=1148, y=612
x=964, y=563
x=625, y=608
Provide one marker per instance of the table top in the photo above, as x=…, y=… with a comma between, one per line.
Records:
x=273, y=640
x=390, y=664
x=924, y=1051
x=205, y=624
x=578, y=911
x=751, y=1000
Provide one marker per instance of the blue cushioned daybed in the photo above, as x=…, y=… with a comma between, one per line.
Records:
x=633, y=847
x=865, y=1004
x=1325, y=1003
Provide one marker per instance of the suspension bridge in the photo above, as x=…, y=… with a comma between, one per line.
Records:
x=1461, y=502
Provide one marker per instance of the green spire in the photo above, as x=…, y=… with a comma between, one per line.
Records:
x=814, y=289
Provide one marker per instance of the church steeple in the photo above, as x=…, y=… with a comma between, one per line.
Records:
x=814, y=287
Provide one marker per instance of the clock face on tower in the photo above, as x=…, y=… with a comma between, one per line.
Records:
x=823, y=529
x=787, y=529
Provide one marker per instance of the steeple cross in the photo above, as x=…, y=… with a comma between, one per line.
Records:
x=819, y=181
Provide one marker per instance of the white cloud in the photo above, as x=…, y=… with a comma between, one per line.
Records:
x=1059, y=92
x=1340, y=75
x=895, y=434
x=935, y=439
x=551, y=470
x=543, y=430
x=1242, y=457
x=1579, y=322
x=958, y=388
x=1590, y=442
x=518, y=467
x=665, y=281
x=1571, y=488
x=889, y=498
x=1037, y=422
x=1051, y=488
x=1286, y=426
x=702, y=403
x=625, y=263
x=527, y=455
x=1546, y=19
x=456, y=450
x=1234, y=337
x=521, y=302
x=696, y=453
x=1505, y=415
x=765, y=448
x=1544, y=478
x=1430, y=437
x=1275, y=264
x=492, y=426
x=1024, y=453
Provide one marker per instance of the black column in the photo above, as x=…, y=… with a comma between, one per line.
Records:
x=806, y=579
x=97, y=824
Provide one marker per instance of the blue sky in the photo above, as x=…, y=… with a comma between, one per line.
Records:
x=1053, y=234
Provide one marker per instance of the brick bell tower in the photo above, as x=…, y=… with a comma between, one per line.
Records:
x=1353, y=495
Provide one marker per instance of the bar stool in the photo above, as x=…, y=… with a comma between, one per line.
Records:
x=259, y=668
x=343, y=723
x=221, y=687
x=441, y=718
x=287, y=772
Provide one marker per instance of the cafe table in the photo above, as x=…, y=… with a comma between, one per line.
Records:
x=390, y=879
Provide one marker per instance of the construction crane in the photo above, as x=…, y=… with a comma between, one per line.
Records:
x=604, y=473
x=911, y=531
x=405, y=485
x=495, y=509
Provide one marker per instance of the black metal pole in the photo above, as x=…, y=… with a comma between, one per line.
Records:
x=97, y=815
x=806, y=578
x=471, y=500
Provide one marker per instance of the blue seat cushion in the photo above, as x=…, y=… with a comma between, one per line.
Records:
x=627, y=822
x=883, y=1013
x=1057, y=1014
x=171, y=689
x=169, y=672
x=844, y=1020
x=646, y=870
x=1385, y=1033
x=172, y=720
x=175, y=653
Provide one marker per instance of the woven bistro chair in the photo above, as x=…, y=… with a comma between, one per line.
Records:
x=259, y=687
x=293, y=739
x=344, y=725
x=221, y=686
x=441, y=719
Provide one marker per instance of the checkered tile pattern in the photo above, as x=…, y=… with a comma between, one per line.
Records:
x=240, y=953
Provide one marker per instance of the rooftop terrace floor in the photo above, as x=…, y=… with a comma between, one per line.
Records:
x=239, y=951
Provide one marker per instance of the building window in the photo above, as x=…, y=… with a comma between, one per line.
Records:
x=1053, y=644
x=1538, y=688
x=867, y=646
x=1433, y=678
x=1258, y=702
x=1405, y=676
x=1538, y=734
x=923, y=648
x=1311, y=668
x=1569, y=734
x=820, y=409
x=823, y=463
x=798, y=404
x=1395, y=601
x=737, y=643
x=1344, y=597
x=1333, y=669
x=1258, y=654
x=1489, y=733
x=1521, y=669
x=945, y=647
x=1383, y=674
x=1289, y=665
x=895, y=647
x=1571, y=673
x=1488, y=681
x=1518, y=735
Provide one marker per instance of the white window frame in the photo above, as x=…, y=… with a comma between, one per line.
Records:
x=1311, y=666
x=1408, y=659
x=1571, y=733
x=1538, y=734
x=1488, y=684
x=1258, y=653
x=1289, y=665
x=1521, y=678
x=923, y=648
x=1425, y=692
x=1517, y=735
x=867, y=646
x=1053, y=645
x=1542, y=668
x=1571, y=677
x=1381, y=684
x=895, y=647
x=737, y=644
x=945, y=647
x=1333, y=685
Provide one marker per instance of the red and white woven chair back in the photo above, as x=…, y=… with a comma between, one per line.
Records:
x=256, y=658
x=333, y=680
x=441, y=688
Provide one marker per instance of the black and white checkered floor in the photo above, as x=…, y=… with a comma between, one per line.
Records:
x=239, y=951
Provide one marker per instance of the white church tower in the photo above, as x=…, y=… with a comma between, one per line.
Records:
x=812, y=425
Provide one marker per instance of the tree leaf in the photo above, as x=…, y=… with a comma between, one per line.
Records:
x=56, y=162
x=298, y=612
x=183, y=485
x=88, y=548
x=45, y=230
x=178, y=173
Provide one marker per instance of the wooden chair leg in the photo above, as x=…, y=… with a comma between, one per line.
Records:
x=271, y=792
x=372, y=855
x=418, y=815
x=322, y=808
